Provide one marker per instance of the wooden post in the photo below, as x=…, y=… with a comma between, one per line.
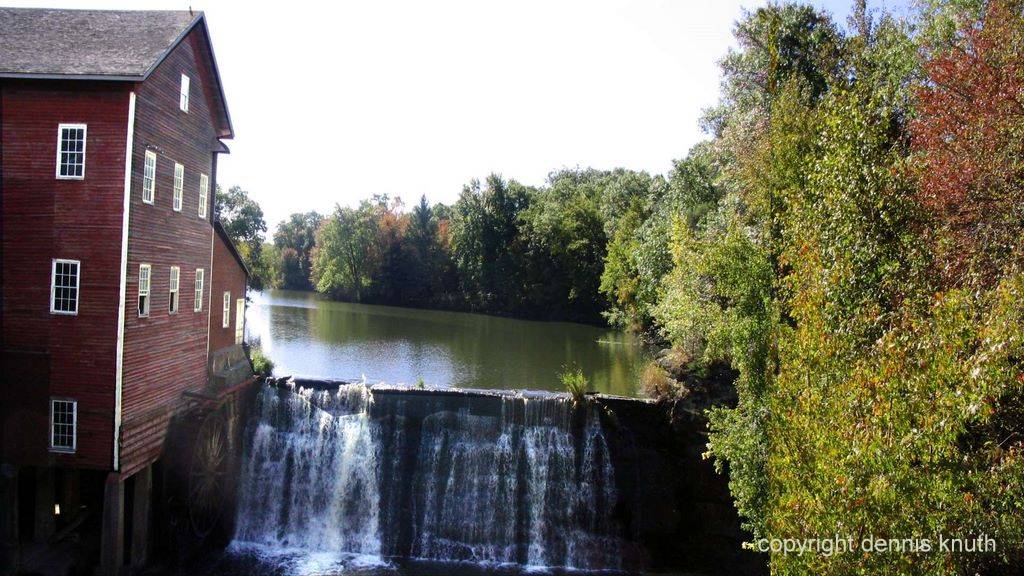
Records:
x=8, y=519
x=71, y=494
x=112, y=535
x=45, y=525
x=140, y=517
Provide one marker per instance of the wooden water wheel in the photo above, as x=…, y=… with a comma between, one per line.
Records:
x=207, y=475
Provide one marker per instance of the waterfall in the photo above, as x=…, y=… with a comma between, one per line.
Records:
x=309, y=479
x=497, y=479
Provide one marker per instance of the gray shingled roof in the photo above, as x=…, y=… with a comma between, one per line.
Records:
x=87, y=43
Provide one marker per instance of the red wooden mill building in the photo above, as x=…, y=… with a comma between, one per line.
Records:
x=122, y=300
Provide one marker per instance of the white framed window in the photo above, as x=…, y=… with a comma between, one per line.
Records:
x=200, y=273
x=64, y=282
x=204, y=194
x=172, y=302
x=71, y=151
x=226, y=321
x=239, y=320
x=179, y=186
x=149, y=177
x=183, y=98
x=145, y=272
x=63, y=425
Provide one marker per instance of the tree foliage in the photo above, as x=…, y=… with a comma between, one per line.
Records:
x=295, y=239
x=848, y=240
x=969, y=134
x=875, y=398
x=505, y=248
x=243, y=221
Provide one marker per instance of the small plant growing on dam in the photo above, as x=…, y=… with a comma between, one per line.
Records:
x=575, y=383
x=261, y=364
x=656, y=381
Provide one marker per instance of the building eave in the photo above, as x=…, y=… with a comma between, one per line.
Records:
x=230, y=132
x=92, y=77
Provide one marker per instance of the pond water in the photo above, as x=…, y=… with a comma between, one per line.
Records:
x=308, y=335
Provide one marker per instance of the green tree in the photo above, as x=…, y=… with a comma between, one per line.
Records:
x=289, y=271
x=430, y=270
x=242, y=219
x=872, y=400
x=295, y=239
x=345, y=257
x=486, y=245
x=563, y=233
x=777, y=44
x=270, y=266
x=723, y=300
x=641, y=214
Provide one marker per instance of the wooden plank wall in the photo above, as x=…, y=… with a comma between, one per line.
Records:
x=228, y=276
x=43, y=218
x=165, y=354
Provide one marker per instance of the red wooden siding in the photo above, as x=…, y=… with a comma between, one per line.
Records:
x=43, y=218
x=165, y=354
x=228, y=276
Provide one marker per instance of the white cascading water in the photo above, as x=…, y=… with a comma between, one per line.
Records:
x=532, y=485
x=516, y=490
x=309, y=478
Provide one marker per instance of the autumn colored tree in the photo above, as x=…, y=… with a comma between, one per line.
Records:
x=969, y=137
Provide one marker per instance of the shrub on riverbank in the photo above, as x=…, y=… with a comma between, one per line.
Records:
x=657, y=383
x=261, y=364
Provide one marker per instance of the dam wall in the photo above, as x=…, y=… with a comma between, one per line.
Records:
x=490, y=477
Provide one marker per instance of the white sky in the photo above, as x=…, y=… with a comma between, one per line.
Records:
x=335, y=101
